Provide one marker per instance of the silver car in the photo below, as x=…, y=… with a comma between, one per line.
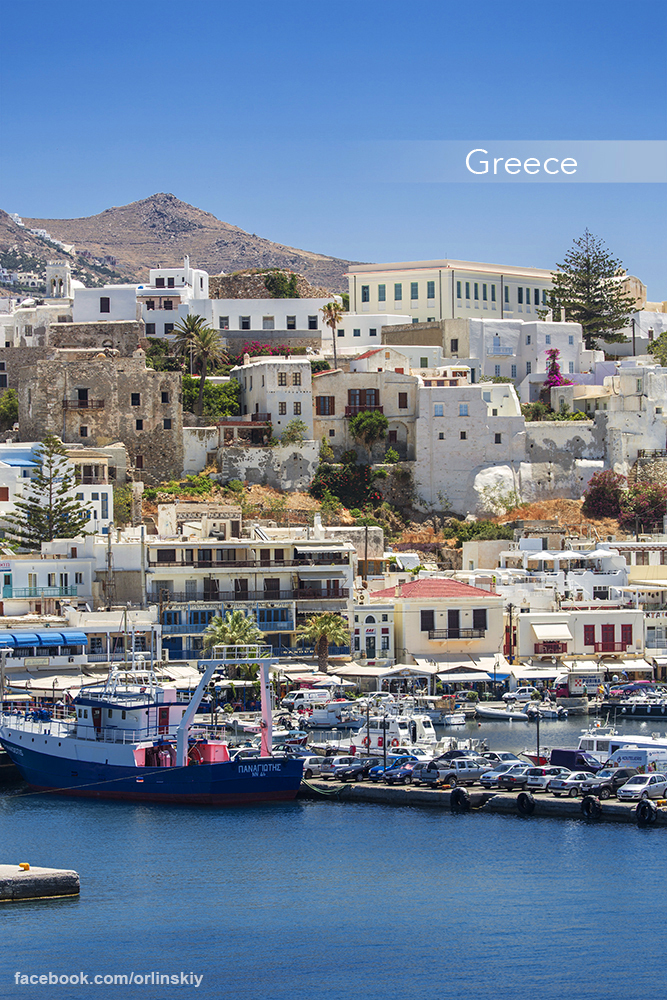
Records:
x=569, y=785
x=329, y=764
x=312, y=766
x=538, y=778
x=643, y=786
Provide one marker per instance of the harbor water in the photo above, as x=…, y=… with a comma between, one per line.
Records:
x=333, y=901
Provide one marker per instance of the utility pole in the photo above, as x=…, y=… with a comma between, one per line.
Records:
x=365, y=580
x=510, y=609
x=633, y=337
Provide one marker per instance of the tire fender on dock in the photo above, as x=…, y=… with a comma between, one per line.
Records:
x=646, y=812
x=591, y=807
x=525, y=803
x=459, y=800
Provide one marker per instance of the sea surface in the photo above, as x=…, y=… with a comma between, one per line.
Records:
x=332, y=901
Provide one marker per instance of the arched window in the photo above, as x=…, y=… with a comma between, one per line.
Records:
x=370, y=620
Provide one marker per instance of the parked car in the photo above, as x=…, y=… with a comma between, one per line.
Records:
x=501, y=757
x=538, y=778
x=514, y=779
x=377, y=773
x=312, y=765
x=521, y=694
x=329, y=765
x=570, y=784
x=607, y=782
x=401, y=773
x=430, y=772
x=643, y=786
x=357, y=771
x=490, y=778
x=464, y=771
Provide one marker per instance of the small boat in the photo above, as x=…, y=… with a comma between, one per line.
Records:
x=455, y=719
x=483, y=712
x=547, y=711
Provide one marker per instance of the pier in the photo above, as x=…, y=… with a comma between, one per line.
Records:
x=23, y=882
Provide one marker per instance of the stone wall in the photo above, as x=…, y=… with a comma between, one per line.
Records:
x=15, y=358
x=415, y=333
x=561, y=457
x=125, y=337
x=237, y=339
x=285, y=467
x=200, y=445
x=250, y=285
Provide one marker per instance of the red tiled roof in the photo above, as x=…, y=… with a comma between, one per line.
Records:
x=369, y=354
x=432, y=587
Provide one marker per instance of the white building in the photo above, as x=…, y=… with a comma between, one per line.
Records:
x=358, y=331
x=277, y=390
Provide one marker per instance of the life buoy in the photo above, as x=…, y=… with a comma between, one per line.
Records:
x=195, y=755
x=394, y=743
x=525, y=803
x=366, y=742
x=459, y=801
x=646, y=812
x=591, y=807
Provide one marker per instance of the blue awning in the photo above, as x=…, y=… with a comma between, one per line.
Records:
x=49, y=639
x=75, y=638
x=25, y=638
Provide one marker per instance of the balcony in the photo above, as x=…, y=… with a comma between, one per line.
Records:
x=199, y=629
x=260, y=418
x=499, y=352
x=91, y=480
x=229, y=597
x=457, y=633
x=38, y=592
x=550, y=648
x=352, y=411
x=250, y=563
x=611, y=647
x=83, y=404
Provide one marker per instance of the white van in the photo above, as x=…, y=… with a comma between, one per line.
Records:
x=304, y=699
x=643, y=759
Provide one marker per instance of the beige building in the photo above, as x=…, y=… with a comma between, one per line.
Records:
x=339, y=396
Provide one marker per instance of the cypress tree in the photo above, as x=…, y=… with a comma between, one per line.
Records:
x=48, y=509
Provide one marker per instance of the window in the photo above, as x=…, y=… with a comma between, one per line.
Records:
x=138, y=461
x=325, y=406
x=479, y=618
x=244, y=322
x=291, y=322
x=438, y=410
x=519, y=296
x=166, y=424
x=159, y=282
x=476, y=292
x=150, y=329
x=168, y=328
x=356, y=333
x=4, y=492
x=414, y=290
x=282, y=408
x=94, y=496
x=170, y=282
x=507, y=295
x=496, y=370
x=223, y=322
x=165, y=397
x=105, y=304
x=454, y=345
x=268, y=322
x=382, y=293
x=493, y=293
x=494, y=412
x=458, y=289
x=441, y=436
x=297, y=409
x=398, y=292
x=513, y=371
x=332, y=433
x=423, y=362
x=529, y=367
x=83, y=432
x=641, y=559
x=536, y=296
x=296, y=378
x=167, y=304
x=104, y=513
x=402, y=400
x=427, y=620
x=484, y=293
x=528, y=340
x=463, y=435
x=570, y=367
x=282, y=378
x=547, y=339
x=139, y=425
x=430, y=289
x=498, y=438
x=392, y=437
x=150, y=304
x=544, y=296
x=373, y=332
x=135, y=399
x=365, y=293
x=467, y=289
x=463, y=409
x=341, y=333
x=78, y=577
x=527, y=298
x=312, y=322
x=589, y=635
x=639, y=385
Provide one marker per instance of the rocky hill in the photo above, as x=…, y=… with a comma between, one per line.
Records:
x=158, y=231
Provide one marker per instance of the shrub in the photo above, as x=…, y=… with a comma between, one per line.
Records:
x=602, y=497
x=643, y=505
x=351, y=484
x=392, y=456
x=294, y=433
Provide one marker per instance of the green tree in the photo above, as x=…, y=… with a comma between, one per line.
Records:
x=48, y=509
x=658, y=348
x=332, y=313
x=219, y=400
x=235, y=629
x=9, y=409
x=588, y=287
x=158, y=357
x=202, y=344
x=323, y=629
x=281, y=285
x=368, y=428
x=295, y=432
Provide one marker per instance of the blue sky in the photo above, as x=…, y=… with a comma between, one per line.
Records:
x=254, y=111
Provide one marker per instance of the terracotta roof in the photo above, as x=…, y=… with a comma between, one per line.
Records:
x=433, y=587
x=369, y=354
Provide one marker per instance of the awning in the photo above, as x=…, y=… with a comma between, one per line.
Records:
x=75, y=638
x=333, y=548
x=25, y=639
x=423, y=669
x=532, y=673
x=558, y=632
x=639, y=666
x=305, y=574
x=464, y=677
x=360, y=670
x=50, y=639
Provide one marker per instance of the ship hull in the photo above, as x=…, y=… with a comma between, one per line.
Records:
x=231, y=783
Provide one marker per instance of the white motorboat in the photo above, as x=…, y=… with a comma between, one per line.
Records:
x=483, y=712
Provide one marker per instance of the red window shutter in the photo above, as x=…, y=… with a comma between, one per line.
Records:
x=626, y=635
x=318, y=405
x=4, y=492
x=589, y=635
x=332, y=406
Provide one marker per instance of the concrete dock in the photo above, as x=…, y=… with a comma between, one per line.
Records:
x=478, y=800
x=21, y=882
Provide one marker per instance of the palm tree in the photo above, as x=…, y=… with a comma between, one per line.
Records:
x=235, y=629
x=324, y=628
x=202, y=343
x=333, y=313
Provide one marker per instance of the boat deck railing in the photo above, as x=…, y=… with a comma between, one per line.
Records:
x=104, y=734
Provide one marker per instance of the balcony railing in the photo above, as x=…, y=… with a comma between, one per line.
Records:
x=457, y=633
x=83, y=404
x=38, y=592
x=546, y=648
x=499, y=351
x=91, y=480
x=198, y=629
x=227, y=597
x=611, y=647
x=260, y=418
x=352, y=411
x=250, y=563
